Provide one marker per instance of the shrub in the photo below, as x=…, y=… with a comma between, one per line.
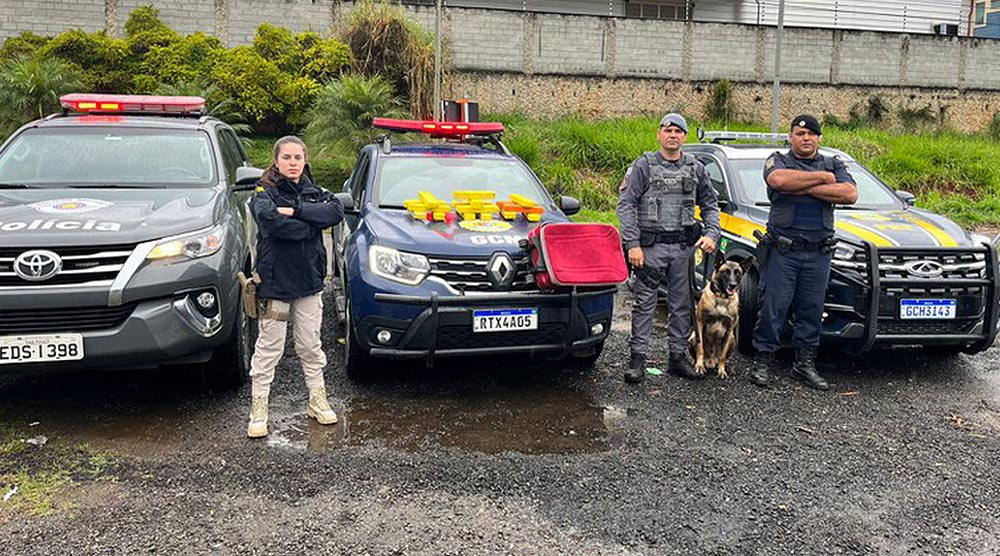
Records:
x=877, y=110
x=144, y=30
x=30, y=88
x=253, y=82
x=277, y=45
x=994, y=128
x=25, y=44
x=722, y=105
x=322, y=59
x=107, y=64
x=917, y=119
x=189, y=59
x=385, y=42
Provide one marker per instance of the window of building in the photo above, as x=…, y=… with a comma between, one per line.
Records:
x=678, y=10
x=980, y=17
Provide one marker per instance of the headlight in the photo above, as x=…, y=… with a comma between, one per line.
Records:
x=844, y=257
x=192, y=246
x=405, y=268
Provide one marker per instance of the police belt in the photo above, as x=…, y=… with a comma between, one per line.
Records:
x=687, y=236
x=783, y=243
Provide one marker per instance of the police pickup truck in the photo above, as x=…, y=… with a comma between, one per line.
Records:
x=123, y=223
x=900, y=275
x=430, y=267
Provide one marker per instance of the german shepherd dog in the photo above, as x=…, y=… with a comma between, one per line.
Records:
x=716, y=317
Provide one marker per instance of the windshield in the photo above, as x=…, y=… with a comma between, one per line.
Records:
x=871, y=192
x=108, y=157
x=402, y=177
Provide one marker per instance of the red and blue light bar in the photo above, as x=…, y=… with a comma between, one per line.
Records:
x=438, y=129
x=132, y=104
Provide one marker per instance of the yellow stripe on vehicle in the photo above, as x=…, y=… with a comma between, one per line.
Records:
x=939, y=234
x=866, y=234
x=740, y=226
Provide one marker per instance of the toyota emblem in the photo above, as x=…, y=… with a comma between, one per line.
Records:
x=38, y=265
x=501, y=271
x=924, y=268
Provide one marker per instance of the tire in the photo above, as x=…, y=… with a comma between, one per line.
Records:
x=231, y=363
x=749, y=307
x=358, y=363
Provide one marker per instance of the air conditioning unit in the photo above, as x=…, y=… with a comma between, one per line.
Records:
x=950, y=29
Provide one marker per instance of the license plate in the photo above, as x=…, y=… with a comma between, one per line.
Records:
x=504, y=320
x=927, y=308
x=41, y=348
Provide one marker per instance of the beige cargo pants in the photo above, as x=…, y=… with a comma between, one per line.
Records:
x=306, y=316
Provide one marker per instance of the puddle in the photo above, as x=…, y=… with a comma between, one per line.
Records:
x=543, y=421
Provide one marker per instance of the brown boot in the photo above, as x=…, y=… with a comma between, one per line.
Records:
x=257, y=427
x=319, y=407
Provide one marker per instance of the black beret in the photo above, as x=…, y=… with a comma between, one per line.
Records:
x=808, y=122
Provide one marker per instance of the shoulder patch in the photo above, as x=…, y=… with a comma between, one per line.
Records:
x=770, y=163
x=260, y=189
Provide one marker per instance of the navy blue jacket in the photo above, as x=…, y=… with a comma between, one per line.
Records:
x=291, y=259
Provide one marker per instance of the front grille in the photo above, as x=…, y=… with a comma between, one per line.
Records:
x=77, y=319
x=87, y=265
x=956, y=264
x=457, y=337
x=928, y=327
x=469, y=275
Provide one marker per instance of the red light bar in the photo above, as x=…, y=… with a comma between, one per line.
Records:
x=439, y=129
x=132, y=104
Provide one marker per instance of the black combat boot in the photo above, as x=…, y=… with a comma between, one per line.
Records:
x=760, y=373
x=805, y=369
x=636, y=368
x=680, y=366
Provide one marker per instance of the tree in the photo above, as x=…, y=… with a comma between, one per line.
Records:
x=30, y=88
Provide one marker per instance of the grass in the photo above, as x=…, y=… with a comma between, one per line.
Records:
x=951, y=173
x=42, y=473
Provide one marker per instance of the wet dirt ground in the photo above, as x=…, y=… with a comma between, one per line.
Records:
x=508, y=457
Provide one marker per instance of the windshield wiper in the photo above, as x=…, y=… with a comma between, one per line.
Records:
x=111, y=186
x=15, y=186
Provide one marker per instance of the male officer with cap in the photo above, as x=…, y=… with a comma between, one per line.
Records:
x=803, y=187
x=656, y=211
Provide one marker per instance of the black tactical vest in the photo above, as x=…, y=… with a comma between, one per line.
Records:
x=784, y=207
x=668, y=204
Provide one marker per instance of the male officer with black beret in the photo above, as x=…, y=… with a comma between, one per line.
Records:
x=803, y=187
x=658, y=226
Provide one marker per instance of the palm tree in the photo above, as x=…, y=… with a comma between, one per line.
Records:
x=30, y=88
x=342, y=116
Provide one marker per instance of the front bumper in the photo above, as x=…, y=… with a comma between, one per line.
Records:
x=862, y=309
x=443, y=327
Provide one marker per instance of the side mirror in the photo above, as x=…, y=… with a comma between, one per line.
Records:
x=347, y=202
x=906, y=197
x=247, y=176
x=346, y=186
x=723, y=204
x=568, y=205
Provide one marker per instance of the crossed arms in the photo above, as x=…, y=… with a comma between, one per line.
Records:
x=820, y=184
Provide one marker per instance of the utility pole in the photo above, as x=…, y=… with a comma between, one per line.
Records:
x=776, y=89
x=437, y=62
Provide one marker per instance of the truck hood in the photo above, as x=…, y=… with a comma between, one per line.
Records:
x=476, y=238
x=68, y=217
x=900, y=228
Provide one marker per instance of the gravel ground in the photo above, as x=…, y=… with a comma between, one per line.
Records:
x=899, y=457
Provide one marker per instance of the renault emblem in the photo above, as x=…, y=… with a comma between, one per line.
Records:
x=501, y=271
x=38, y=265
x=924, y=268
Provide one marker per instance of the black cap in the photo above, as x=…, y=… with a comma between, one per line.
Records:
x=808, y=122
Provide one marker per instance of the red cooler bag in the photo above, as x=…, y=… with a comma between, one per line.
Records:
x=567, y=254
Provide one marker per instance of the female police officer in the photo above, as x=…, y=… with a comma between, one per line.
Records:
x=291, y=214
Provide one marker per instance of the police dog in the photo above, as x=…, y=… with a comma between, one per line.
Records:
x=717, y=315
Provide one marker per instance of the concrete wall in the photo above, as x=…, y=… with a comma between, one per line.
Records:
x=513, y=45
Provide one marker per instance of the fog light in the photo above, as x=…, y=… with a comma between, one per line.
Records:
x=597, y=329
x=206, y=300
x=383, y=336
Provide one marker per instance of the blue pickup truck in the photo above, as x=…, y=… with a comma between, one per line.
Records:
x=418, y=277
